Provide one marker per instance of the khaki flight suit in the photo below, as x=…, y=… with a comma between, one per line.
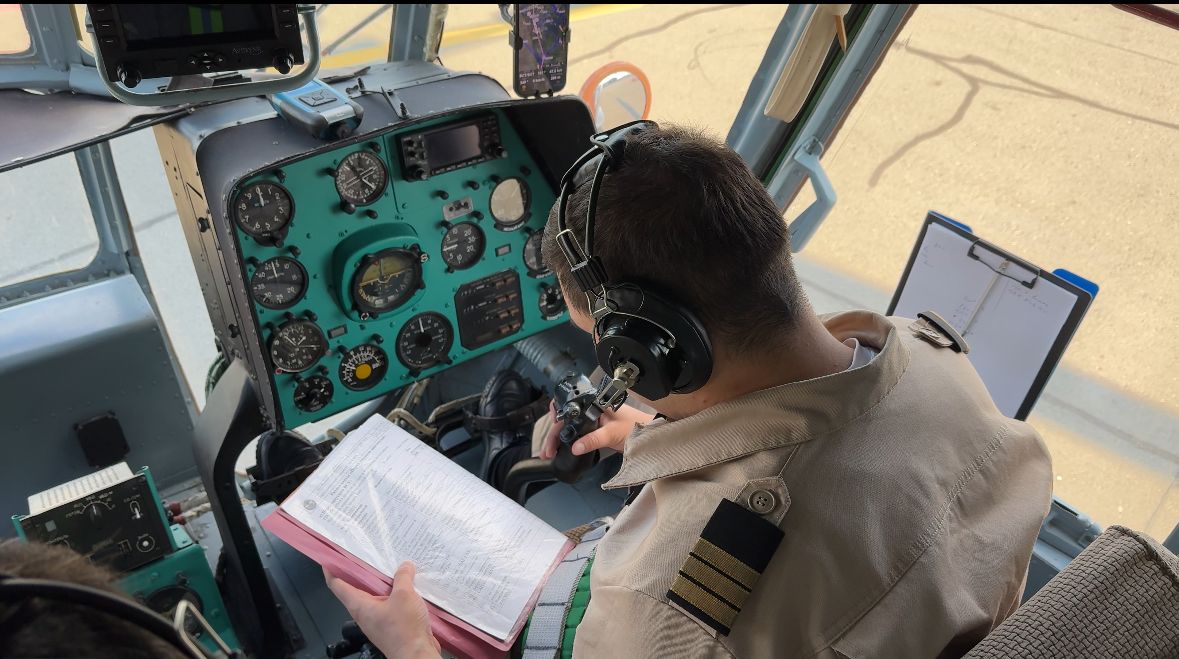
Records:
x=909, y=507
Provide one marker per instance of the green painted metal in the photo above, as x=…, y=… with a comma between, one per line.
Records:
x=326, y=236
x=187, y=565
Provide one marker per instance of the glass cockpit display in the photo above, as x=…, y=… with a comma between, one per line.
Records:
x=377, y=262
x=541, y=45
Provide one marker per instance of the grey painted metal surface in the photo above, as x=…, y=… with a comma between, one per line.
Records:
x=416, y=32
x=753, y=135
x=76, y=355
x=865, y=51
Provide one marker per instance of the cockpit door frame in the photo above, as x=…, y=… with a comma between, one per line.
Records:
x=784, y=155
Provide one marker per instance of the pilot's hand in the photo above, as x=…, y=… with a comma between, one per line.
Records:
x=399, y=625
x=613, y=429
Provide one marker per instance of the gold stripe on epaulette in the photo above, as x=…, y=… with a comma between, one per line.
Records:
x=712, y=606
x=715, y=581
x=726, y=563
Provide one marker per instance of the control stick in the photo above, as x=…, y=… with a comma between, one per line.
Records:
x=579, y=405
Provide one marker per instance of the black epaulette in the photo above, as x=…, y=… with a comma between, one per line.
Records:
x=724, y=566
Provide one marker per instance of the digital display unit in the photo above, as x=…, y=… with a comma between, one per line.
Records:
x=541, y=42
x=143, y=41
x=453, y=146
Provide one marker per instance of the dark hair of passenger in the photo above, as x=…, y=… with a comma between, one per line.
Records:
x=50, y=628
x=686, y=217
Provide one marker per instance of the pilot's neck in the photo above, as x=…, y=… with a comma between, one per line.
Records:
x=806, y=352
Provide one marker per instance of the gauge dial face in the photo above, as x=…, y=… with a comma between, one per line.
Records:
x=314, y=393
x=424, y=341
x=278, y=283
x=297, y=345
x=263, y=209
x=361, y=178
x=462, y=246
x=509, y=203
x=386, y=280
x=363, y=367
x=533, y=258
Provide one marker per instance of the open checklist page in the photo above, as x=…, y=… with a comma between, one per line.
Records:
x=385, y=497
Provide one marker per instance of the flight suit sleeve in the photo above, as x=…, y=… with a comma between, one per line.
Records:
x=972, y=578
x=625, y=623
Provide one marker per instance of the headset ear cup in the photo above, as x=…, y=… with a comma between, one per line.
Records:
x=666, y=341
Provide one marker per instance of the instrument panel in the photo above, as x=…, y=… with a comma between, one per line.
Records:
x=381, y=262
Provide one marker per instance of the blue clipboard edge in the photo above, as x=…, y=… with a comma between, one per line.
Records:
x=1082, y=288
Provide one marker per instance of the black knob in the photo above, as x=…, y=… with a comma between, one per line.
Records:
x=478, y=215
x=283, y=60
x=371, y=214
x=128, y=75
x=252, y=261
x=497, y=151
x=95, y=514
x=295, y=251
x=310, y=315
x=442, y=194
x=348, y=207
x=474, y=185
x=416, y=174
x=378, y=339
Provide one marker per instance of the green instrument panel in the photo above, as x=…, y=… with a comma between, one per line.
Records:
x=382, y=262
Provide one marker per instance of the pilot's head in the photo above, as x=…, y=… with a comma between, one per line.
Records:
x=50, y=628
x=685, y=215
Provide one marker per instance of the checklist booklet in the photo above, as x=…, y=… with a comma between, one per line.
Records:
x=383, y=497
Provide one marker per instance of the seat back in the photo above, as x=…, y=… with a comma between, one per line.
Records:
x=1118, y=598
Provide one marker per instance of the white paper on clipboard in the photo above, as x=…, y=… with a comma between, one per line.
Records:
x=1011, y=328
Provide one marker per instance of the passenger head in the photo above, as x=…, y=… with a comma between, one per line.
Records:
x=685, y=216
x=51, y=628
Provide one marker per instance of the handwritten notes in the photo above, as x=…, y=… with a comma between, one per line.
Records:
x=1011, y=329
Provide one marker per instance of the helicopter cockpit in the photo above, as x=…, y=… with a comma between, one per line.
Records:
x=235, y=234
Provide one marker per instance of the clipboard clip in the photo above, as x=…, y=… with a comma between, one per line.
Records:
x=1007, y=258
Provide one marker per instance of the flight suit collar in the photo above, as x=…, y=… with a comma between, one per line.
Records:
x=771, y=418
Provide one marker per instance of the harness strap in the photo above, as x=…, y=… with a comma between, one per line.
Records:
x=546, y=629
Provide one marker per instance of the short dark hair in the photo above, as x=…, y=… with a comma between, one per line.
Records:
x=686, y=216
x=50, y=628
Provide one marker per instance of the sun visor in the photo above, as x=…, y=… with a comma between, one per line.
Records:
x=36, y=127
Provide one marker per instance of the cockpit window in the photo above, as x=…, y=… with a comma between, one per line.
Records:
x=1049, y=130
x=46, y=226
x=14, y=35
x=699, y=58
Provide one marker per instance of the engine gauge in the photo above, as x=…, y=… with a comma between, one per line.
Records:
x=297, y=345
x=363, y=367
x=533, y=258
x=462, y=246
x=263, y=209
x=386, y=280
x=278, y=283
x=314, y=393
x=361, y=178
x=425, y=341
x=509, y=203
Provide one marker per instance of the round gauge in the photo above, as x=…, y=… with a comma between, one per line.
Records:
x=424, y=341
x=263, y=209
x=509, y=203
x=462, y=246
x=313, y=393
x=361, y=178
x=297, y=345
x=533, y=258
x=278, y=283
x=552, y=303
x=386, y=280
x=363, y=367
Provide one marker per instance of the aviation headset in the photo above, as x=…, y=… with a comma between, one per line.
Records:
x=14, y=589
x=632, y=322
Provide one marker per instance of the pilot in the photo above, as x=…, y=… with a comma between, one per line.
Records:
x=841, y=486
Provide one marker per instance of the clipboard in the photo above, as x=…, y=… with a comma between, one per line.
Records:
x=1017, y=317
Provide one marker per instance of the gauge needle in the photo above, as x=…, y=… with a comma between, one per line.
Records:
x=274, y=269
x=422, y=324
